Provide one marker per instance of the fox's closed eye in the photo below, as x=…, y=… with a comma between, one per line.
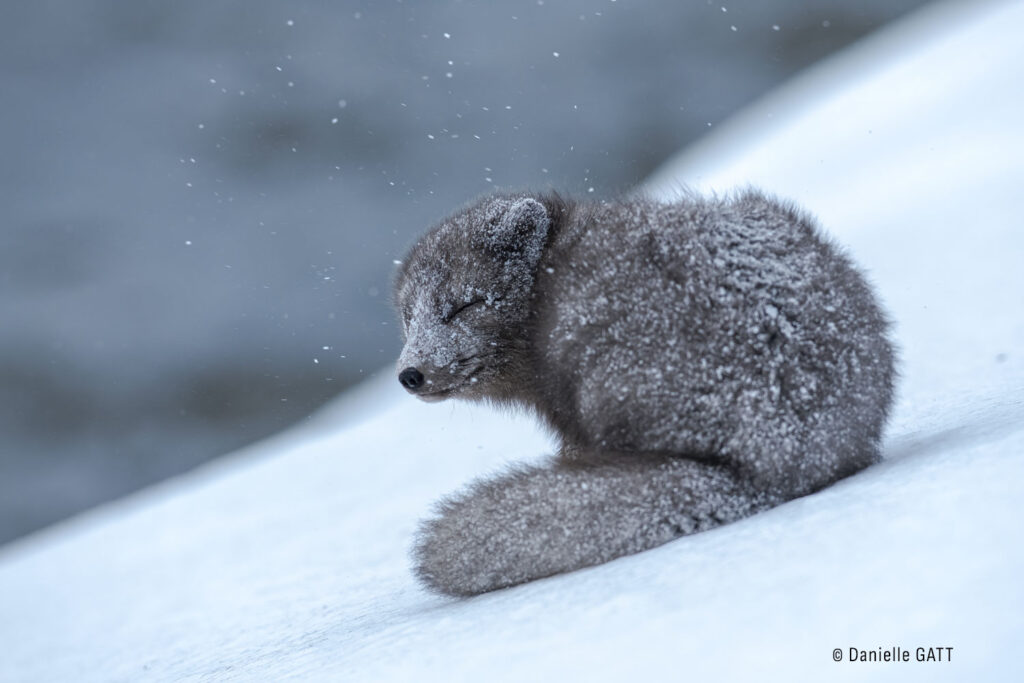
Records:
x=456, y=309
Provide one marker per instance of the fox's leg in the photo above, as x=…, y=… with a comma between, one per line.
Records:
x=533, y=522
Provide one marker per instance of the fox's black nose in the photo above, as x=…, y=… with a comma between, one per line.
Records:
x=411, y=378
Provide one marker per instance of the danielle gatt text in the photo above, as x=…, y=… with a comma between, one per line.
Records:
x=893, y=654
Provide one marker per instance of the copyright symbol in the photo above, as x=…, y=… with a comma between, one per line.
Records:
x=837, y=654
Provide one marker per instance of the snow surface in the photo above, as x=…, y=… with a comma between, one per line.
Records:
x=288, y=559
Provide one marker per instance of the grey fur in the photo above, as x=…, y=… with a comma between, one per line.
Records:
x=699, y=361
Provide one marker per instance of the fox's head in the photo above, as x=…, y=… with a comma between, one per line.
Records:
x=463, y=293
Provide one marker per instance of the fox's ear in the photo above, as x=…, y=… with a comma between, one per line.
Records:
x=517, y=226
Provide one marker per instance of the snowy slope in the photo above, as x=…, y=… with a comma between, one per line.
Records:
x=289, y=559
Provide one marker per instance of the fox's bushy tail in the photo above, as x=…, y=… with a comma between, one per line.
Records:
x=532, y=522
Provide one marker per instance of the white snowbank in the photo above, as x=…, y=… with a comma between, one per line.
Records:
x=288, y=560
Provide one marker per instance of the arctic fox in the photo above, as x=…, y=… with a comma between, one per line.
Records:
x=699, y=361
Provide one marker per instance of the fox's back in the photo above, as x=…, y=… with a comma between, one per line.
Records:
x=664, y=327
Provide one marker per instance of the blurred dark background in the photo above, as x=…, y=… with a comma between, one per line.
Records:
x=202, y=200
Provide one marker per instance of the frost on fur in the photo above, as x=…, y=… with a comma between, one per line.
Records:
x=699, y=361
